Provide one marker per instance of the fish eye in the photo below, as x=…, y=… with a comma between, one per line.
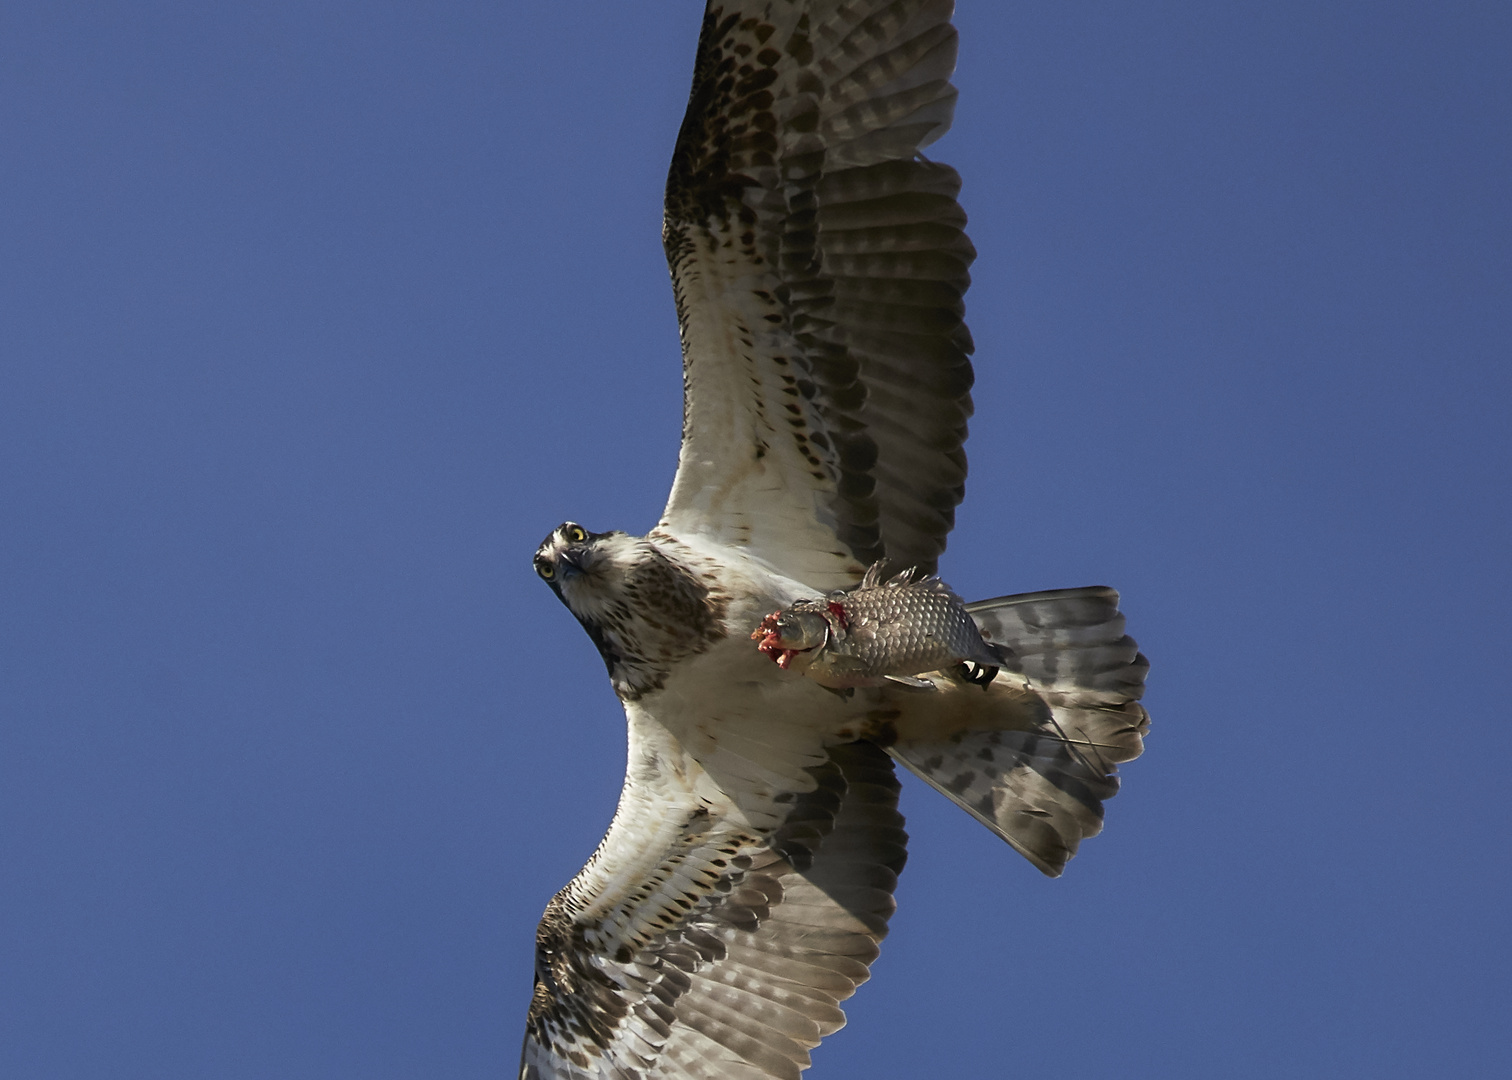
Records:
x=545, y=569
x=575, y=534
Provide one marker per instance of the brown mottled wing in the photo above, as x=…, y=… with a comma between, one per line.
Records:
x=818, y=265
x=1070, y=686
x=694, y=948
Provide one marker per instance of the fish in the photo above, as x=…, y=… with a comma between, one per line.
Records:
x=885, y=629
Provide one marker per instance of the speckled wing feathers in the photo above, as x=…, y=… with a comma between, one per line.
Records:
x=818, y=266
x=742, y=974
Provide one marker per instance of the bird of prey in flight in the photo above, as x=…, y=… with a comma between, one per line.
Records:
x=818, y=263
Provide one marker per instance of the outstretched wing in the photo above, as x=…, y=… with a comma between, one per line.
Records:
x=694, y=947
x=818, y=264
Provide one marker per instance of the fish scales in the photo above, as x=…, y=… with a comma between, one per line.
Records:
x=905, y=628
x=899, y=627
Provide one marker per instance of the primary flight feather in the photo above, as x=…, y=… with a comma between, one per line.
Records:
x=818, y=266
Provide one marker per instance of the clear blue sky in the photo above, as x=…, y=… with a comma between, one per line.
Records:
x=315, y=317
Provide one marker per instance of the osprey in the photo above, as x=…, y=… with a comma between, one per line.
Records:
x=818, y=265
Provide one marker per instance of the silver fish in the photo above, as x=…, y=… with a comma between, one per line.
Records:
x=881, y=630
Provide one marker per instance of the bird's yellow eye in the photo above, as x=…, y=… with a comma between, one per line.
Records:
x=575, y=534
x=546, y=570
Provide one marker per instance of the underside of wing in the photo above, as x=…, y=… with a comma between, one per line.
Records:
x=726, y=953
x=818, y=265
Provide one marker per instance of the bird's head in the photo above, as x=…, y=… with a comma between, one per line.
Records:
x=583, y=568
x=641, y=609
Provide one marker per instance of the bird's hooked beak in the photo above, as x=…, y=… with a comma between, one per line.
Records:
x=570, y=562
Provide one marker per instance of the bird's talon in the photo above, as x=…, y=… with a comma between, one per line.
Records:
x=977, y=674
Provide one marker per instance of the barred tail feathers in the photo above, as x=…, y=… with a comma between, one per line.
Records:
x=1039, y=776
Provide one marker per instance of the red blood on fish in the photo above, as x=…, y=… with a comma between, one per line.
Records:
x=838, y=611
x=768, y=641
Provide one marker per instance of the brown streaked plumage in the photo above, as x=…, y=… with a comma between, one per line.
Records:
x=818, y=266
